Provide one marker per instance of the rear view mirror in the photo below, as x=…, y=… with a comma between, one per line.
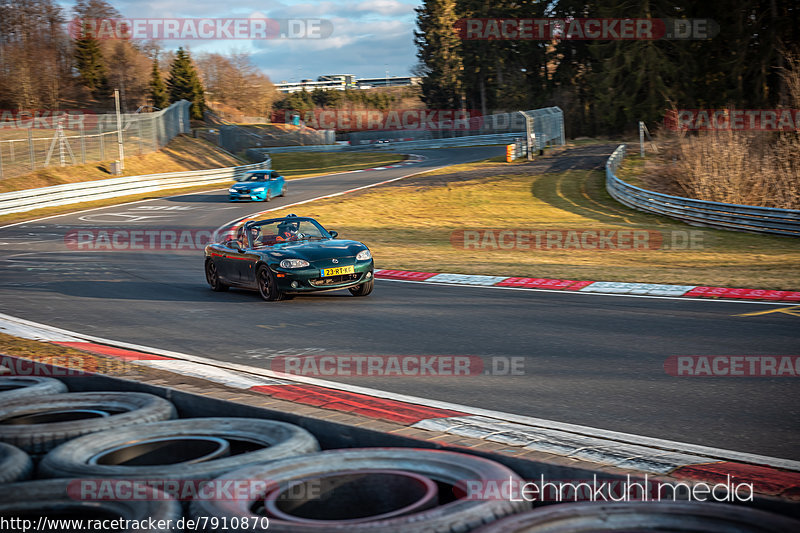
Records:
x=334, y=234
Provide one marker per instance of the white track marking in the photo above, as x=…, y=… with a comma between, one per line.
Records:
x=534, y=289
x=211, y=373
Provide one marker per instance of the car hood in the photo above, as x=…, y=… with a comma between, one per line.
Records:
x=316, y=250
x=249, y=186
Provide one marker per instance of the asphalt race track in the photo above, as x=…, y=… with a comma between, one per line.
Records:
x=593, y=360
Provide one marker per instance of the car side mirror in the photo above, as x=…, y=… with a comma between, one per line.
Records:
x=334, y=234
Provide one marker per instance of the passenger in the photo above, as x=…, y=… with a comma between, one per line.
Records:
x=287, y=231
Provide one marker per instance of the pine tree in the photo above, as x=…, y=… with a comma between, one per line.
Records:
x=184, y=84
x=158, y=91
x=439, y=52
x=90, y=64
x=636, y=79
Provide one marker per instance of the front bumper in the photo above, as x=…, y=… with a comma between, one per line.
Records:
x=299, y=280
x=247, y=197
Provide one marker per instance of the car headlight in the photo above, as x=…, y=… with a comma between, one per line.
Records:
x=294, y=263
x=363, y=255
x=232, y=190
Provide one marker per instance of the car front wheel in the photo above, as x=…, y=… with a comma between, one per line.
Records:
x=268, y=285
x=363, y=289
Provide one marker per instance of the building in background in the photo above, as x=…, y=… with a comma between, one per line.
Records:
x=340, y=82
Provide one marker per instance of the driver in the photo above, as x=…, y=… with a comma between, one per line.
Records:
x=287, y=231
x=255, y=236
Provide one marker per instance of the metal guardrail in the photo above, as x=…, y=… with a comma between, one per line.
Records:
x=308, y=148
x=700, y=212
x=472, y=140
x=71, y=193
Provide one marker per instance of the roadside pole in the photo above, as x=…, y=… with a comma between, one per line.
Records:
x=119, y=132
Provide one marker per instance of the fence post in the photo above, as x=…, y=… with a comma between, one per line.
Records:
x=641, y=139
x=30, y=149
x=139, y=128
x=153, y=126
x=119, y=132
x=102, y=140
x=83, y=145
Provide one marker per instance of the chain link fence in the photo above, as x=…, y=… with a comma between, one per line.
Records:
x=235, y=138
x=28, y=144
x=545, y=126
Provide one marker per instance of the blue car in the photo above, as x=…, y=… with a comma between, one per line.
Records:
x=258, y=186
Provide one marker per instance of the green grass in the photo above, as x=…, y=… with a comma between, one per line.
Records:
x=301, y=164
x=631, y=169
x=410, y=227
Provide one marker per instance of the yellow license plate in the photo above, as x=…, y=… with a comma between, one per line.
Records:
x=338, y=271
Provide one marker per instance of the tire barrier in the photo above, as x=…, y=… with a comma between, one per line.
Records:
x=336, y=502
x=15, y=465
x=186, y=449
x=39, y=425
x=13, y=388
x=676, y=517
x=356, y=496
x=108, y=449
x=48, y=499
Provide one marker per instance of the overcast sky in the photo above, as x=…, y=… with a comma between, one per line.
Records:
x=369, y=36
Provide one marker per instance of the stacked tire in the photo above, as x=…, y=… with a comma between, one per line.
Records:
x=393, y=490
x=37, y=414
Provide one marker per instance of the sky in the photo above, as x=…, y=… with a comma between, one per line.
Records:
x=368, y=37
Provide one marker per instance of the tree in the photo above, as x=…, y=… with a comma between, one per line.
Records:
x=184, y=84
x=235, y=81
x=35, y=66
x=90, y=64
x=439, y=53
x=158, y=90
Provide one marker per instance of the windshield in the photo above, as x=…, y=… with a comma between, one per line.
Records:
x=257, y=177
x=287, y=230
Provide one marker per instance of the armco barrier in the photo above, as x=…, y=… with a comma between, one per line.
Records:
x=471, y=140
x=26, y=200
x=700, y=212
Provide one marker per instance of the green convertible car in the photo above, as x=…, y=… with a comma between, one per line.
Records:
x=281, y=257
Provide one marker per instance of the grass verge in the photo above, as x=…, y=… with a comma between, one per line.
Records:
x=302, y=164
x=49, y=354
x=411, y=229
x=181, y=153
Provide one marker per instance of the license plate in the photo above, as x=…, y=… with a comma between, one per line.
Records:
x=338, y=271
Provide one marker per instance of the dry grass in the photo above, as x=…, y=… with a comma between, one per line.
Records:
x=410, y=228
x=181, y=153
x=734, y=167
x=757, y=168
x=301, y=164
x=61, y=356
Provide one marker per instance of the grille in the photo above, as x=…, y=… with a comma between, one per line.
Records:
x=333, y=280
